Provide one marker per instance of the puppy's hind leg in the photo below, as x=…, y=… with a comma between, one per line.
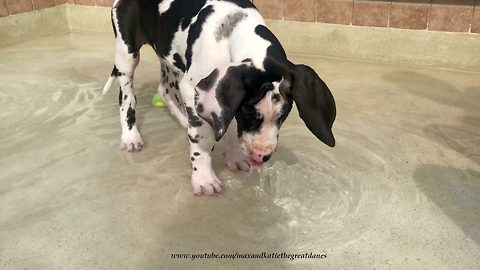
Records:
x=127, y=57
x=126, y=63
x=169, y=90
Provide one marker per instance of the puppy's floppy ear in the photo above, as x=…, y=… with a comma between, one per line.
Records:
x=218, y=96
x=315, y=103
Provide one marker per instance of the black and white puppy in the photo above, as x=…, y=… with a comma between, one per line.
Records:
x=223, y=74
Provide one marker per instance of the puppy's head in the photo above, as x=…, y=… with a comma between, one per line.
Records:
x=261, y=101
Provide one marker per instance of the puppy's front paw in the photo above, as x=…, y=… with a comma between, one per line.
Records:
x=206, y=183
x=132, y=142
x=236, y=160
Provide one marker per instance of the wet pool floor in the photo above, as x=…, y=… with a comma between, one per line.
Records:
x=399, y=191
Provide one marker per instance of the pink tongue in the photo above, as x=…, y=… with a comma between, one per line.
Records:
x=257, y=158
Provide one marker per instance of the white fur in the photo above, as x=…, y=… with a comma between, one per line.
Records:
x=164, y=6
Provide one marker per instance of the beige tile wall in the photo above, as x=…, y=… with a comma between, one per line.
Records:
x=432, y=15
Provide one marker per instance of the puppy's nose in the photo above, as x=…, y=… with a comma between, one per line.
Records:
x=261, y=157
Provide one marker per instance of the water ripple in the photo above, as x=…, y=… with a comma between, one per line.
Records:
x=313, y=199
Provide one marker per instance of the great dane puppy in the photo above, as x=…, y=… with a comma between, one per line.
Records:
x=223, y=74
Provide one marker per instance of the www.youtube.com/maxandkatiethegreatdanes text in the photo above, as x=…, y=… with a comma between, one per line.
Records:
x=263, y=255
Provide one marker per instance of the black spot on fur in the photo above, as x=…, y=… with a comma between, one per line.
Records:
x=276, y=97
x=192, y=159
x=213, y=148
x=228, y=25
x=176, y=85
x=120, y=94
x=116, y=73
x=113, y=25
x=176, y=97
x=178, y=62
x=194, y=169
x=193, y=120
x=191, y=139
x=168, y=70
x=166, y=91
x=208, y=82
x=275, y=51
x=125, y=97
x=247, y=60
x=195, y=31
x=248, y=120
x=131, y=118
x=200, y=108
x=196, y=154
x=135, y=96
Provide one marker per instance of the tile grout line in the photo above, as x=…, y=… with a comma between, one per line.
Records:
x=8, y=9
x=471, y=17
x=352, y=9
x=428, y=15
x=389, y=13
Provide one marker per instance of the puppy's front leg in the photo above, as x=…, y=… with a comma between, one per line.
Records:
x=233, y=155
x=201, y=138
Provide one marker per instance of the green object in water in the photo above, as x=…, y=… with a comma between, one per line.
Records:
x=158, y=101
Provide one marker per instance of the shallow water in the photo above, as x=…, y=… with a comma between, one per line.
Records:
x=317, y=194
x=399, y=190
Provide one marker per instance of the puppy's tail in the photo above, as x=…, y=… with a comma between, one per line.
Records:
x=111, y=80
